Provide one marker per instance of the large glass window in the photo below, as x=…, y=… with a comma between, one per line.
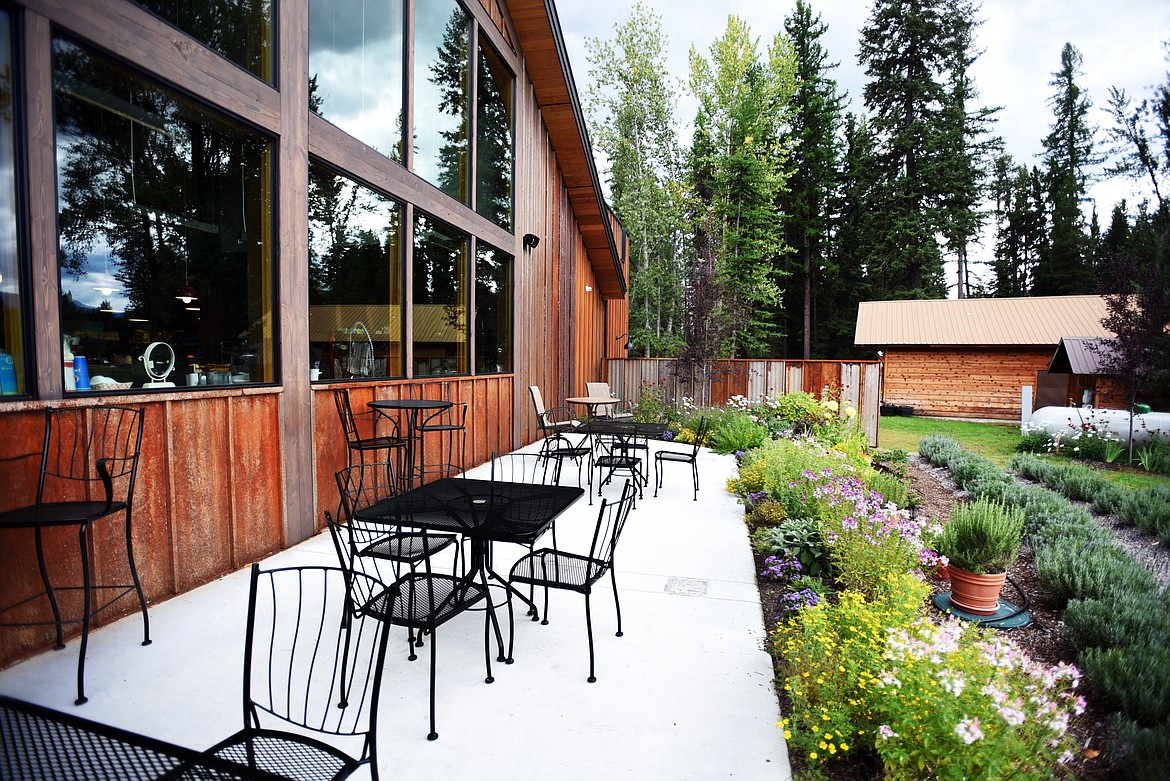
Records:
x=355, y=279
x=439, y=315
x=442, y=100
x=493, y=310
x=493, y=138
x=240, y=30
x=356, y=69
x=12, y=366
x=165, y=222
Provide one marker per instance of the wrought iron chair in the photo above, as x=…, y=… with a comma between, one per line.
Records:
x=420, y=601
x=552, y=568
x=362, y=434
x=692, y=458
x=449, y=423
x=621, y=450
x=362, y=486
x=313, y=662
x=89, y=462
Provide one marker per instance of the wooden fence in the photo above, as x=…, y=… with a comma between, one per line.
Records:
x=859, y=382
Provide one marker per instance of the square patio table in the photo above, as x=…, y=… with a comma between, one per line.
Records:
x=40, y=743
x=485, y=511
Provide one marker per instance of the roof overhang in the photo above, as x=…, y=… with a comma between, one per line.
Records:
x=543, y=46
x=1078, y=355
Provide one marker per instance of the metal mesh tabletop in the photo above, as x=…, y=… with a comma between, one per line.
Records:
x=40, y=744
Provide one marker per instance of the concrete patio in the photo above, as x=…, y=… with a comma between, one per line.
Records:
x=685, y=694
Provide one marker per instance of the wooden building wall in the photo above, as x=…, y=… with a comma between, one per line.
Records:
x=229, y=476
x=968, y=382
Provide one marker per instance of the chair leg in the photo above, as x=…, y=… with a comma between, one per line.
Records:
x=432, y=735
x=49, y=588
x=137, y=582
x=85, y=615
x=657, y=475
x=695, y=474
x=616, y=602
x=589, y=630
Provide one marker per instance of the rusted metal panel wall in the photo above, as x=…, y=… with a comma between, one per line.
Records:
x=208, y=500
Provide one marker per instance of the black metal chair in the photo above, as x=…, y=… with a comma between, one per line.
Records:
x=313, y=664
x=552, y=568
x=449, y=423
x=621, y=448
x=363, y=430
x=89, y=462
x=420, y=601
x=692, y=458
x=362, y=486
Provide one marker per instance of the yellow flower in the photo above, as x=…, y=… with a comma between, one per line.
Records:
x=812, y=755
x=787, y=735
x=844, y=747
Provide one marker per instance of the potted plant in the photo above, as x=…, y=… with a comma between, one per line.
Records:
x=981, y=540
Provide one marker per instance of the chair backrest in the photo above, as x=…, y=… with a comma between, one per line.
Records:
x=520, y=468
x=345, y=413
x=611, y=519
x=538, y=405
x=600, y=390
x=363, y=485
x=311, y=659
x=90, y=445
x=701, y=434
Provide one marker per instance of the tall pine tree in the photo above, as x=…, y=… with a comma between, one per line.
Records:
x=1065, y=267
x=813, y=137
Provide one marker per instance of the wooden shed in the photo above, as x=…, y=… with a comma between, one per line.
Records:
x=971, y=358
x=184, y=174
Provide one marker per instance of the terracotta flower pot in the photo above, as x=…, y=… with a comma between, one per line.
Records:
x=977, y=594
x=942, y=572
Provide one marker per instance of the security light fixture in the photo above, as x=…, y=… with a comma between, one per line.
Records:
x=531, y=240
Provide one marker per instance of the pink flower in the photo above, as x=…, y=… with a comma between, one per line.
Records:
x=886, y=733
x=968, y=730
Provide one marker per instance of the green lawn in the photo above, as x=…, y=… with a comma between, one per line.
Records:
x=994, y=441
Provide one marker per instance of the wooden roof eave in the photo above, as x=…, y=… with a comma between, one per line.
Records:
x=541, y=43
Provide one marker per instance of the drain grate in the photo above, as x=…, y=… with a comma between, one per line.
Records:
x=687, y=587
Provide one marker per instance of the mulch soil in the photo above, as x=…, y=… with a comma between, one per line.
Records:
x=1041, y=639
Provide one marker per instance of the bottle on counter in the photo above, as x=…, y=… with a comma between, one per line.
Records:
x=70, y=377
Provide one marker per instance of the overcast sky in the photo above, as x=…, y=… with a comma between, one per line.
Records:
x=1120, y=41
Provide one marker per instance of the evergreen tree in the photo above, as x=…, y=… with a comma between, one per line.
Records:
x=738, y=167
x=1020, y=228
x=632, y=109
x=1065, y=267
x=813, y=137
x=908, y=50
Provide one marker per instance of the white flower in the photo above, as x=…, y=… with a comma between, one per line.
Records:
x=968, y=730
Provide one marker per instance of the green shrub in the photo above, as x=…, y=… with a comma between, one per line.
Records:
x=892, y=488
x=996, y=488
x=1118, y=619
x=767, y=514
x=1029, y=467
x=1069, y=569
x=982, y=537
x=1146, y=752
x=937, y=448
x=800, y=537
x=1109, y=499
x=1147, y=509
x=1135, y=680
x=971, y=468
x=1034, y=441
x=1068, y=523
x=735, y=431
x=1083, y=484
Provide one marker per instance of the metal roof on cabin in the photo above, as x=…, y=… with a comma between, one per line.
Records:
x=1042, y=320
x=1077, y=355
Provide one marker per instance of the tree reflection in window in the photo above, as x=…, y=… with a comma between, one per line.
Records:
x=12, y=363
x=493, y=310
x=493, y=139
x=439, y=315
x=355, y=278
x=240, y=30
x=155, y=194
x=442, y=96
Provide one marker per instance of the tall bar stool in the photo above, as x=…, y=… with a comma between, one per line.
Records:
x=450, y=423
x=88, y=466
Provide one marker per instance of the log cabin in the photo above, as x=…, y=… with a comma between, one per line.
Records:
x=972, y=357
x=287, y=197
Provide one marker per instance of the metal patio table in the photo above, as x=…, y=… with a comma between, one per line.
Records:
x=485, y=511
x=38, y=743
x=412, y=407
